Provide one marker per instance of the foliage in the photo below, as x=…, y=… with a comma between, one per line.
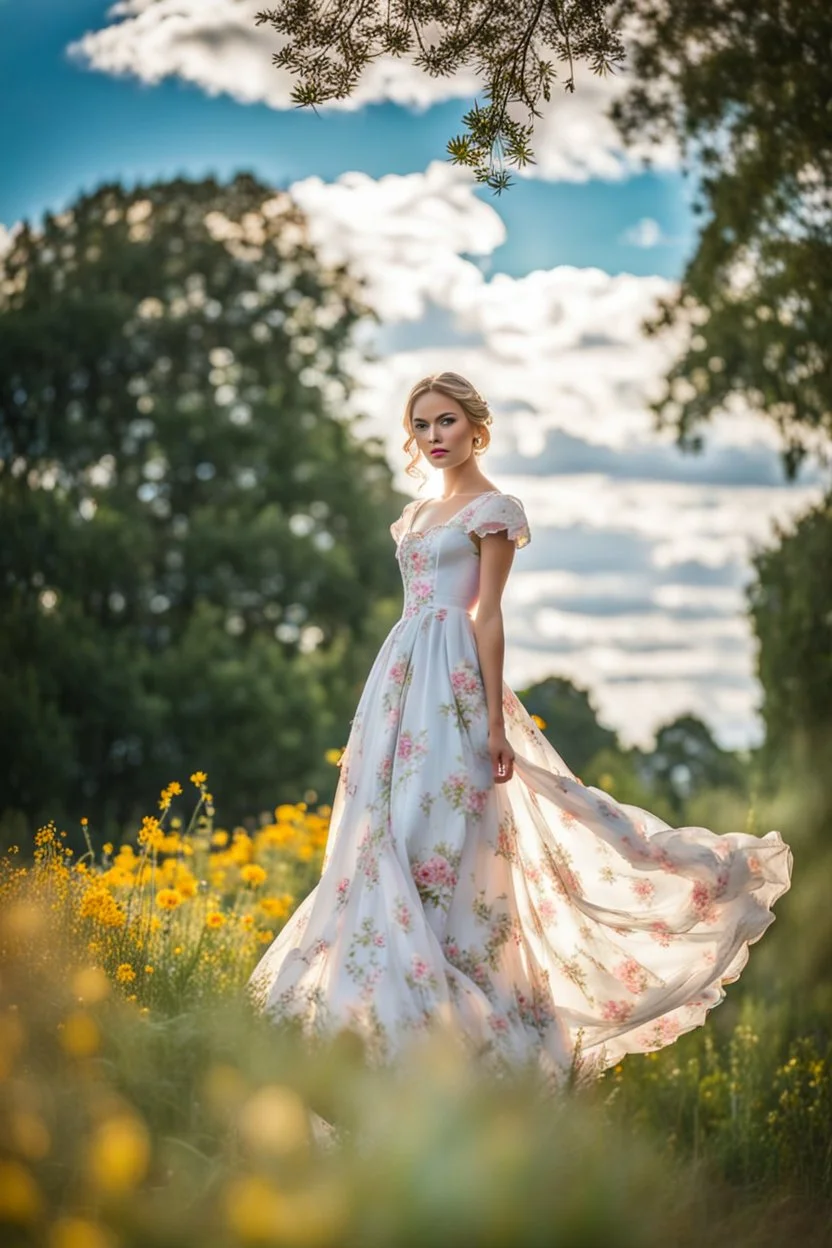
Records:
x=511, y=47
x=686, y=760
x=568, y=714
x=186, y=514
x=790, y=604
x=742, y=87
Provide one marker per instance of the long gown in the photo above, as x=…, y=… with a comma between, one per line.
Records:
x=540, y=920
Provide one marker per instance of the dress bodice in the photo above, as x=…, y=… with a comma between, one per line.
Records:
x=441, y=566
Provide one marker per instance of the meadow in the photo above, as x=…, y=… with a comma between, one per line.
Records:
x=144, y=1102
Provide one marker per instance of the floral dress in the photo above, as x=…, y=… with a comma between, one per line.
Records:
x=540, y=920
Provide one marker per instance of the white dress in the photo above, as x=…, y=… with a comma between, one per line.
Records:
x=540, y=919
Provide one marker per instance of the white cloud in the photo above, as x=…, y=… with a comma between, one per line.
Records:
x=645, y=233
x=575, y=140
x=6, y=240
x=215, y=45
x=403, y=234
x=632, y=585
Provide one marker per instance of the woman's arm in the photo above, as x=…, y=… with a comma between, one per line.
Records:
x=496, y=555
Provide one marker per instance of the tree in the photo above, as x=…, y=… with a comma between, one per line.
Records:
x=511, y=46
x=742, y=85
x=570, y=718
x=686, y=760
x=187, y=518
x=791, y=610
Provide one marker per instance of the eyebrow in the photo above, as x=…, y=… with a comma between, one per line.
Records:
x=439, y=417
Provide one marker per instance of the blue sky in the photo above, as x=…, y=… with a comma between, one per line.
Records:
x=633, y=584
x=69, y=128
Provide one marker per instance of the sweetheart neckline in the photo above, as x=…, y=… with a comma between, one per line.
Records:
x=446, y=524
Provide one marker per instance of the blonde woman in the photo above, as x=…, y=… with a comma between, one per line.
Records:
x=470, y=880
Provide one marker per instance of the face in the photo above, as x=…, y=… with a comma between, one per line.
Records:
x=440, y=423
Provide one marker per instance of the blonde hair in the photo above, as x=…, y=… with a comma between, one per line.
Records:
x=453, y=386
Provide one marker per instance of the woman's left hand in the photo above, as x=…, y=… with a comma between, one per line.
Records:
x=502, y=755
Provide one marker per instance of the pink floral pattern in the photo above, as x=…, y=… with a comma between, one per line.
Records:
x=544, y=917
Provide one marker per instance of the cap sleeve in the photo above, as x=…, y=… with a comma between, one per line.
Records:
x=498, y=512
x=399, y=527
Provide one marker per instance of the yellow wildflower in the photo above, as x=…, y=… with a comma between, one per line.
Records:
x=108, y=847
x=84, y=821
x=214, y=919
x=149, y=970
x=169, y=898
x=277, y=907
x=333, y=756
x=79, y=1035
x=20, y=1198
x=72, y=1232
x=198, y=778
x=220, y=837
x=252, y=874
x=118, y=1154
x=125, y=973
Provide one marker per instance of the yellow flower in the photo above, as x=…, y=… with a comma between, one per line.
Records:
x=277, y=907
x=214, y=919
x=125, y=973
x=79, y=1035
x=541, y=723
x=84, y=821
x=108, y=848
x=246, y=920
x=174, y=788
x=169, y=898
x=220, y=837
x=333, y=756
x=198, y=778
x=72, y=1232
x=118, y=1154
x=149, y=970
x=252, y=874
x=20, y=1199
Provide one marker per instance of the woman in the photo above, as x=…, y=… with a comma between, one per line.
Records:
x=470, y=879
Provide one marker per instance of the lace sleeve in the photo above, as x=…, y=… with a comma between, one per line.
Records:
x=501, y=511
x=399, y=527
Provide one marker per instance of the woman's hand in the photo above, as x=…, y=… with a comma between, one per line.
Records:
x=502, y=755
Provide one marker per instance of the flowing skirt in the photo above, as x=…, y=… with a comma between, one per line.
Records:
x=539, y=920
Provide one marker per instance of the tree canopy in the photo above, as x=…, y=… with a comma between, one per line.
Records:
x=187, y=512
x=514, y=48
x=743, y=86
x=791, y=611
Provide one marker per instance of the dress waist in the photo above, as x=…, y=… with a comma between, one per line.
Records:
x=438, y=609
